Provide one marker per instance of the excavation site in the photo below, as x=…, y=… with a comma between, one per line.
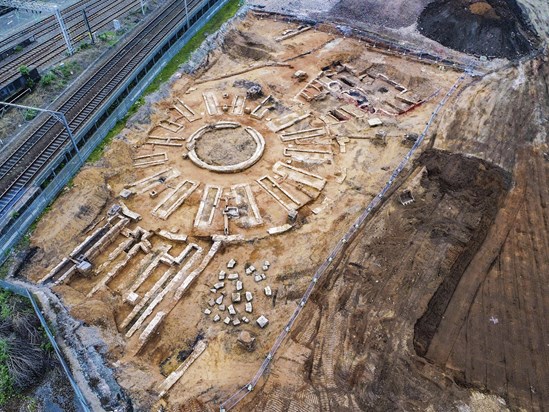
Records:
x=313, y=206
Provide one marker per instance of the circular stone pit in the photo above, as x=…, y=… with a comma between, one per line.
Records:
x=225, y=147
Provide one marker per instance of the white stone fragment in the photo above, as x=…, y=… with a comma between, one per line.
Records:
x=211, y=302
x=232, y=310
x=227, y=320
x=258, y=278
x=231, y=264
x=263, y=276
x=132, y=298
x=236, y=322
x=250, y=270
x=268, y=291
x=245, y=319
x=219, y=300
x=265, y=268
x=239, y=285
x=221, y=308
x=207, y=311
x=235, y=297
x=213, y=290
x=219, y=285
x=221, y=275
x=262, y=321
x=249, y=307
x=267, y=263
x=249, y=296
x=216, y=318
x=233, y=276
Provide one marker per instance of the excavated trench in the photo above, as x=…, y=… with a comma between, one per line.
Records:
x=483, y=186
x=491, y=28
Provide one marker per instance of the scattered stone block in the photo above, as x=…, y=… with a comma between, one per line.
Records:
x=300, y=75
x=258, y=278
x=207, y=311
x=247, y=340
x=132, y=298
x=375, y=122
x=221, y=275
x=213, y=290
x=227, y=320
x=126, y=194
x=263, y=276
x=250, y=270
x=245, y=319
x=235, y=297
x=265, y=268
x=232, y=310
x=219, y=300
x=236, y=322
x=249, y=307
x=233, y=276
x=262, y=321
x=249, y=296
x=231, y=264
x=239, y=285
x=219, y=285
x=211, y=302
x=221, y=308
x=268, y=291
x=216, y=318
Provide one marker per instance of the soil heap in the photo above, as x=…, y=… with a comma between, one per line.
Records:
x=492, y=28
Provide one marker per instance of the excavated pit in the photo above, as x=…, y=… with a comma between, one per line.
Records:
x=491, y=28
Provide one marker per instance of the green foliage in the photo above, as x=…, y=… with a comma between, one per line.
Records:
x=48, y=79
x=5, y=309
x=24, y=70
x=18, y=48
x=224, y=14
x=109, y=37
x=84, y=46
x=30, y=114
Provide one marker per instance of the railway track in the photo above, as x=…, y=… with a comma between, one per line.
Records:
x=45, y=142
x=51, y=45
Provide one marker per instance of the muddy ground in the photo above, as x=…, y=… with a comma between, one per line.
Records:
x=437, y=305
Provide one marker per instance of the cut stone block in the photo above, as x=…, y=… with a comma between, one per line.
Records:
x=207, y=311
x=211, y=302
x=249, y=296
x=249, y=307
x=239, y=285
x=258, y=278
x=219, y=300
x=221, y=307
x=263, y=276
x=219, y=285
x=213, y=290
x=232, y=310
x=236, y=322
x=268, y=291
x=233, y=276
x=250, y=270
x=227, y=320
x=267, y=263
x=262, y=321
x=126, y=194
x=235, y=297
x=231, y=264
x=265, y=268
x=216, y=318
x=221, y=275
x=245, y=319
x=132, y=298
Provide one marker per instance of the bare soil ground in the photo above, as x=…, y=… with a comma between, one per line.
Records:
x=431, y=303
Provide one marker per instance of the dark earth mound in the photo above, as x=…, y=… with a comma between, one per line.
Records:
x=492, y=28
